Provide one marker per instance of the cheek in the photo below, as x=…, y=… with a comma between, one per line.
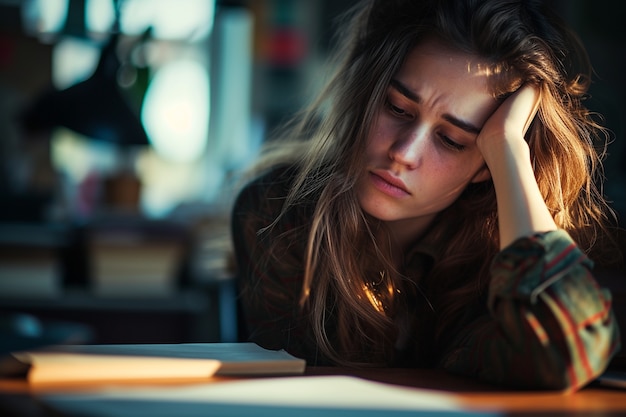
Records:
x=451, y=171
x=461, y=173
x=380, y=137
x=374, y=144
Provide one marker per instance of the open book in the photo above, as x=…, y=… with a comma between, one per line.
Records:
x=75, y=363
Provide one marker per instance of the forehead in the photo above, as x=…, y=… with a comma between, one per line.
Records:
x=449, y=81
x=499, y=77
x=432, y=56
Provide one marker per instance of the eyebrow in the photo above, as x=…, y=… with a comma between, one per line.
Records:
x=411, y=95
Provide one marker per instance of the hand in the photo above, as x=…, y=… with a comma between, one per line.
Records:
x=521, y=208
x=510, y=121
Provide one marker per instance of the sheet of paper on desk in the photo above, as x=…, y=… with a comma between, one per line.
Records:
x=276, y=397
x=72, y=363
x=614, y=379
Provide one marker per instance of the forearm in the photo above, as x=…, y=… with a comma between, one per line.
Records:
x=522, y=210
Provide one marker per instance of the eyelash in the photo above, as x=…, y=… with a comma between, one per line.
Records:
x=398, y=111
x=449, y=143
x=402, y=114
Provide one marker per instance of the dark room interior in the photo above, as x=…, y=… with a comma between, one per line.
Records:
x=106, y=223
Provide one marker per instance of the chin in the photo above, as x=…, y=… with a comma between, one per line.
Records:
x=378, y=212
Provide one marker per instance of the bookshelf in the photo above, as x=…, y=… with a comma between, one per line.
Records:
x=164, y=308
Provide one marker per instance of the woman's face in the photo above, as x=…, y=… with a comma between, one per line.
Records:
x=421, y=153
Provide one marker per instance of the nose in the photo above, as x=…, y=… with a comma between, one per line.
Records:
x=408, y=147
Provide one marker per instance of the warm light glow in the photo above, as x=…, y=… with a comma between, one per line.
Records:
x=176, y=111
x=373, y=299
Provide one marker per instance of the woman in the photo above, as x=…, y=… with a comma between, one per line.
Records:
x=434, y=207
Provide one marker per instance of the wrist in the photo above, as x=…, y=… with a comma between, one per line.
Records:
x=505, y=152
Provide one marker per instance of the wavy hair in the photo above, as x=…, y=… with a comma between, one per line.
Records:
x=524, y=42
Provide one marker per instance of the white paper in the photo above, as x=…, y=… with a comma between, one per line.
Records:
x=317, y=392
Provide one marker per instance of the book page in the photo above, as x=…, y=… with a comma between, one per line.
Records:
x=49, y=367
x=71, y=363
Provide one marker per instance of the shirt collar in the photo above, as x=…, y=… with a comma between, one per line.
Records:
x=433, y=242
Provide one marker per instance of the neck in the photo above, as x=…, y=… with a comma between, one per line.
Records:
x=403, y=233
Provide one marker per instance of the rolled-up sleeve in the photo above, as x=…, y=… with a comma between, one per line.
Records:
x=549, y=324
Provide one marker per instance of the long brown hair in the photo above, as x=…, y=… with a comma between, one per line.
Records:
x=524, y=42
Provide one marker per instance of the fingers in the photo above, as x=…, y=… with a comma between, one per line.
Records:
x=519, y=109
x=510, y=121
x=514, y=115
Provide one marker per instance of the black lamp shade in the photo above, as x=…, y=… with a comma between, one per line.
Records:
x=95, y=107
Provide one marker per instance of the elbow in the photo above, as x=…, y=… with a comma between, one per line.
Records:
x=584, y=357
x=559, y=365
x=578, y=346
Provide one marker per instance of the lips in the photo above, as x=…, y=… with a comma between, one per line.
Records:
x=389, y=183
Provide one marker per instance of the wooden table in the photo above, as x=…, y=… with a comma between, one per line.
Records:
x=17, y=398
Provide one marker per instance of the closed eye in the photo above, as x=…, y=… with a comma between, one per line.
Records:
x=450, y=144
x=398, y=111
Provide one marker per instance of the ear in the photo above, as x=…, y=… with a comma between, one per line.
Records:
x=483, y=174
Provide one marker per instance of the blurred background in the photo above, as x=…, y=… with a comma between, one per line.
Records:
x=124, y=125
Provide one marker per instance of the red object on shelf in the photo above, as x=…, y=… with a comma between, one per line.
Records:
x=287, y=47
x=7, y=51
